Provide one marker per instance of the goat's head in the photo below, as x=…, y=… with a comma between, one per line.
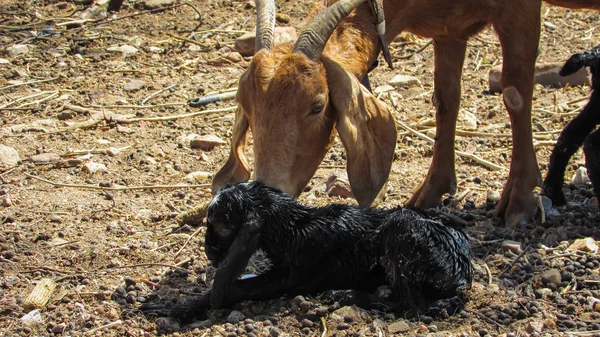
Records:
x=232, y=220
x=292, y=98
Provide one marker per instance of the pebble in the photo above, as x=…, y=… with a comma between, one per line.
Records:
x=205, y=143
x=398, y=327
x=404, y=81
x=9, y=157
x=93, y=168
x=580, y=177
x=154, y=4
x=17, y=49
x=493, y=196
x=134, y=85
x=44, y=158
x=235, y=316
x=245, y=44
x=551, y=276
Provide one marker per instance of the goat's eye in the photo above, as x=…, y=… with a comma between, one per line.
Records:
x=317, y=107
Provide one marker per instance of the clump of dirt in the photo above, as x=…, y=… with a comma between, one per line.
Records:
x=97, y=110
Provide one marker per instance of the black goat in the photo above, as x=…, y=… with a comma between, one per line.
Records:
x=577, y=131
x=326, y=248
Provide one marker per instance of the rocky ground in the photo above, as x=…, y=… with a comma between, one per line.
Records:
x=110, y=152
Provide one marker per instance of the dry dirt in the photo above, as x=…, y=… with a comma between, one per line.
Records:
x=108, y=244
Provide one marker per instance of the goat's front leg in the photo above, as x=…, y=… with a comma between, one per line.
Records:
x=272, y=284
x=591, y=147
x=240, y=251
x=441, y=178
x=569, y=141
x=518, y=29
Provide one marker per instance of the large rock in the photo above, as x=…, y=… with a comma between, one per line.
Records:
x=245, y=43
x=9, y=157
x=546, y=74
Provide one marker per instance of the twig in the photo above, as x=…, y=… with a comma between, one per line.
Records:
x=186, y=241
x=105, y=326
x=158, y=93
x=192, y=114
x=471, y=156
x=514, y=261
x=124, y=188
x=147, y=265
x=30, y=82
x=90, y=293
x=7, y=172
x=324, y=327
x=130, y=106
x=404, y=57
x=186, y=40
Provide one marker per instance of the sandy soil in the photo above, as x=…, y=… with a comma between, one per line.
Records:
x=110, y=244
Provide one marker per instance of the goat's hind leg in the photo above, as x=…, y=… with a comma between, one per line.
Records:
x=441, y=177
x=591, y=148
x=518, y=28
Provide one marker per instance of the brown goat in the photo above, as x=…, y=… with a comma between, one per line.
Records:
x=292, y=96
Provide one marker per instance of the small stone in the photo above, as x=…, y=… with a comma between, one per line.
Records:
x=404, y=81
x=206, y=143
x=56, y=219
x=398, y=327
x=512, y=246
x=534, y=326
x=235, y=317
x=283, y=18
x=124, y=49
x=197, y=176
x=44, y=158
x=546, y=74
x=65, y=115
x=92, y=167
x=493, y=196
x=580, y=177
x=551, y=276
x=245, y=44
x=9, y=157
x=338, y=187
x=6, y=201
x=153, y=4
x=586, y=245
x=17, y=49
x=134, y=85
x=166, y=324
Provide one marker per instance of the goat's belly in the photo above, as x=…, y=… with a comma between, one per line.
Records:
x=458, y=20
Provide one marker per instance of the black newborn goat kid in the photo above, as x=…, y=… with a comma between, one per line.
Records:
x=335, y=247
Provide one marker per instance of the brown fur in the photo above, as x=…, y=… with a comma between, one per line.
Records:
x=279, y=90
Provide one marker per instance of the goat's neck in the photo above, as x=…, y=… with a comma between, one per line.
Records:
x=355, y=44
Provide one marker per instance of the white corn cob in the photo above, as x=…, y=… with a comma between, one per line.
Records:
x=40, y=295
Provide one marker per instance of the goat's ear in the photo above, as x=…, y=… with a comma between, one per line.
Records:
x=367, y=130
x=236, y=169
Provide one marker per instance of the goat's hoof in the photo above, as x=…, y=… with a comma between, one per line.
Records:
x=518, y=211
x=555, y=194
x=156, y=310
x=190, y=308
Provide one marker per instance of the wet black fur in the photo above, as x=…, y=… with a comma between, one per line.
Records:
x=577, y=131
x=327, y=248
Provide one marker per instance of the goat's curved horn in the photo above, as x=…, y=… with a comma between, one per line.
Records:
x=265, y=24
x=312, y=40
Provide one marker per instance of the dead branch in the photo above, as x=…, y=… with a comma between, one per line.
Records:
x=121, y=188
x=467, y=155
